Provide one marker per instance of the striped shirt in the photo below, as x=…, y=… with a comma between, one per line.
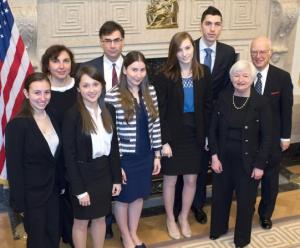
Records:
x=127, y=131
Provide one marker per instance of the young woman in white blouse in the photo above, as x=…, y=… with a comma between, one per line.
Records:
x=32, y=148
x=91, y=157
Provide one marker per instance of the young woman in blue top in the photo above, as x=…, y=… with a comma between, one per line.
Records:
x=184, y=97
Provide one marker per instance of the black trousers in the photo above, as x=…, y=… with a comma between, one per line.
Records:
x=233, y=179
x=42, y=224
x=66, y=217
x=270, y=185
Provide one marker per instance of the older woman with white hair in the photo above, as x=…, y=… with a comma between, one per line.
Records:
x=239, y=141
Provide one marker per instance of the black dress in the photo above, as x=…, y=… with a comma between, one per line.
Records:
x=138, y=166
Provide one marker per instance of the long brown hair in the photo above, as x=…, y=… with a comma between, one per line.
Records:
x=172, y=68
x=88, y=125
x=26, y=109
x=127, y=99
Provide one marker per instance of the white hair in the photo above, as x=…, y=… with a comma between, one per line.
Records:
x=243, y=66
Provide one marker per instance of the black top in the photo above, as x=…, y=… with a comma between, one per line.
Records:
x=256, y=131
x=60, y=102
x=237, y=119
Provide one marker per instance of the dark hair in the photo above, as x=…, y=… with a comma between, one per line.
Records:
x=88, y=125
x=127, y=99
x=26, y=109
x=109, y=27
x=211, y=10
x=172, y=69
x=53, y=52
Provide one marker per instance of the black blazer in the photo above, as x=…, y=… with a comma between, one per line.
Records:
x=225, y=58
x=279, y=89
x=31, y=167
x=170, y=102
x=78, y=149
x=256, y=135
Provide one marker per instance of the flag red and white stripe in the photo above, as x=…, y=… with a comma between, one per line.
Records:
x=15, y=66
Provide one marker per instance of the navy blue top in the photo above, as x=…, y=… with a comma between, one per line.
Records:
x=188, y=90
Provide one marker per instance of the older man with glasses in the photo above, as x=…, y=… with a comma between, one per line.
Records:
x=276, y=84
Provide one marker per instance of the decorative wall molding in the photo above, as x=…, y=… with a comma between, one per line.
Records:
x=284, y=15
x=26, y=20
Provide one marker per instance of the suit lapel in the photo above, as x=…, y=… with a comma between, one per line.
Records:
x=269, y=80
x=217, y=60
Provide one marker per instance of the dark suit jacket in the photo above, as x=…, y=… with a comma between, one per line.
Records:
x=97, y=63
x=279, y=89
x=170, y=101
x=78, y=150
x=225, y=58
x=30, y=165
x=256, y=135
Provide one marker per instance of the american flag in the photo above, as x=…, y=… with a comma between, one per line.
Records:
x=14, y=68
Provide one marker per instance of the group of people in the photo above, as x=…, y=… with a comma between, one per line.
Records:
x=80, y=142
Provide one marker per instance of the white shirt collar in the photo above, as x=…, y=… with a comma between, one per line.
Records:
x=92, y=112
x=118, y=62
x=202, y=45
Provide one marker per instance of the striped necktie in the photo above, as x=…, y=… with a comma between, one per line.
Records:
x=258, y=85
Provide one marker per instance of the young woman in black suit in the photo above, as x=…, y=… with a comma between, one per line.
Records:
x=58, y=63
x=32, y=148
x=91, y=157
x=240, y=141
x=184, y=97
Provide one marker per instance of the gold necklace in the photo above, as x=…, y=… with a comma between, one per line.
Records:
x=242, y=106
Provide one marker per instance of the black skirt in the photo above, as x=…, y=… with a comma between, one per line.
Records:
x=187, y=152
x=98, y=178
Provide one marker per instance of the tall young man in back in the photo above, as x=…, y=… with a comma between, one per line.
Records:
x=219, y=58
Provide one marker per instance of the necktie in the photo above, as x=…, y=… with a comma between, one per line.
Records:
x=258, y=85
x=114, y=78
x=207, y=59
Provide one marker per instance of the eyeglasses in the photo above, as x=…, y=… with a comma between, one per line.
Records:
x=115, y=41
x=262, y=52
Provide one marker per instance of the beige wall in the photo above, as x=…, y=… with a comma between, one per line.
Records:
x=75, y=23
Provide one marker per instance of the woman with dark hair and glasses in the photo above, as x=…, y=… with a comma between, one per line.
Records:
x=91, y=157
x=32, y=146
x=138, y=129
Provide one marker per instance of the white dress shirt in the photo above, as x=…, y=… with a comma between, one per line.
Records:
x=202, y=52
x=263, y=79
x=108, y=66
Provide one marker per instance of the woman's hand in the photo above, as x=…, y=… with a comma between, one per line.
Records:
x=85, y=200
x=216, y=164
x=124, y=178
x=166, y=150
x=156, y=166
x=257, y=173
x=116, y=189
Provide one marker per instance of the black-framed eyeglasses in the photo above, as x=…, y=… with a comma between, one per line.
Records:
x=110, y=41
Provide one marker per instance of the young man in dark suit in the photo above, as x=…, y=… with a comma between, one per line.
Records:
x=219, y=57
x=111, y=36
x=276, y=84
